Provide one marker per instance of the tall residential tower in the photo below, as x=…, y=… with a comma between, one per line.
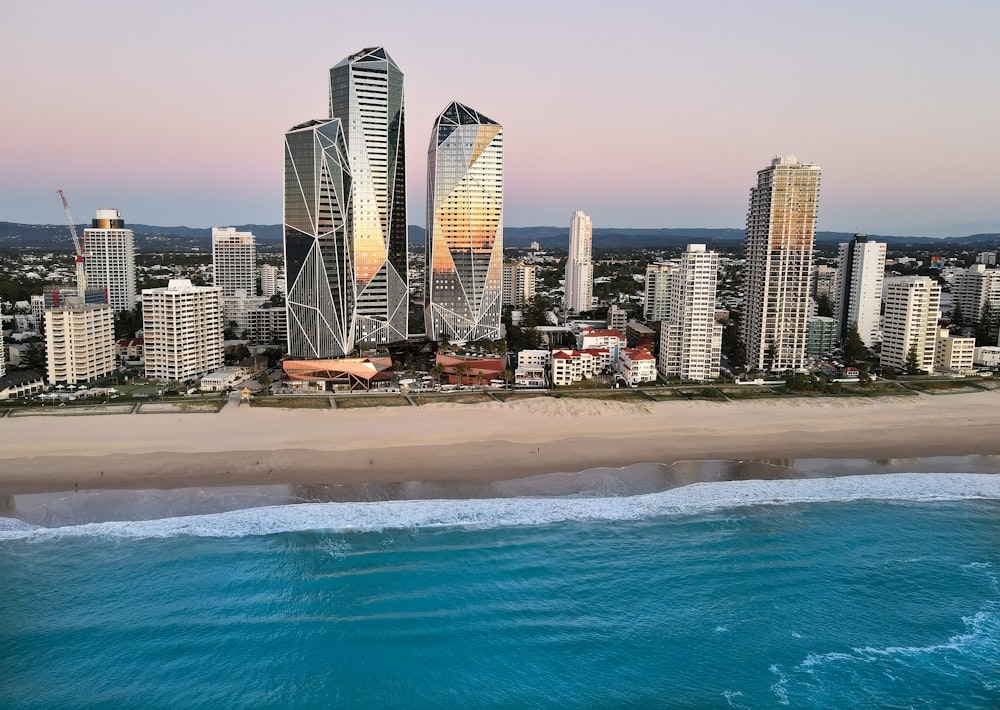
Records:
x=781, y=226
x=366, y=95
x=690, y=339
x=464, y=247
x=858, y=298
x=110, y=261
x=579, y=294
x=234, y=261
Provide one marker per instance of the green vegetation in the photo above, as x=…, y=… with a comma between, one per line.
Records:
x=299, y=402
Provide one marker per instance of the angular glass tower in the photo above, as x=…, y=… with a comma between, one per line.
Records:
x=464, y=248
x=318, y=259
x=366, y=94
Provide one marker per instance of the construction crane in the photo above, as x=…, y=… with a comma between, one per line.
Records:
x=81, y=253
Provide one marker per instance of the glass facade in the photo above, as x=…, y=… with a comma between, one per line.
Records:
x=318, y=259
x=464, y=248
x=366, y=96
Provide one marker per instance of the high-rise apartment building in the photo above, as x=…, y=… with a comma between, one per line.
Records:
x=518, y=283
x=464, y=247
x=690, y=339
x=366, y=95
x=110, y=261
x=182, y=326
x=318, y=255
x=824, y=282
x=79, y=343
x=579, y=293
x=269, y=275
x=781, y=226
x=656, y=305
x=912, y=309
x=974, y=289
x=234, y=261
x=858, y=299
x=3, y=356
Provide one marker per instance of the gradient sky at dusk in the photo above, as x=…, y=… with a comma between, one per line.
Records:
x=642, y=114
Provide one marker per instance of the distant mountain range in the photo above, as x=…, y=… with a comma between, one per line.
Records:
x=153, y=238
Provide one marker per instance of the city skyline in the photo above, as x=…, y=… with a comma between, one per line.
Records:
x=888, y=98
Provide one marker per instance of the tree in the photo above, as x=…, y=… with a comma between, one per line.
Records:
x=128, y=322
x=912, y=364
x=461, y=370
x=824, y=307
x=770, y=355
x=957, y=317
x=265, y=382
x=34, y=357
x=854, y=347
x=985, y=333
x=436, y=372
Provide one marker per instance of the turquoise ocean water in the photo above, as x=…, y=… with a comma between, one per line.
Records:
x=862, y=591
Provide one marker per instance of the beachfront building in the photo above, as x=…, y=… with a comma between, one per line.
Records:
x=110, y=259
x=635, y=366
x=318, y=265
x=3, y=356
x=579, y=287
x=910, y=323
x=656, y=305
x=267, y=323
x=366, y=95
x=690, y=337
x=589, y=338
x=987, y=356
x=79, y=343
x=20, y=385
x=569, y=366
x=781, y=225
x=954, y=354
x=518, y=283
x=821, y=336
x=858, y=299
x=464, y=246
x=223, y=379
x=182, y=330
x=234, y=262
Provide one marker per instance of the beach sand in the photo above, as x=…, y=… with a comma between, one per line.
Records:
x=453, y=443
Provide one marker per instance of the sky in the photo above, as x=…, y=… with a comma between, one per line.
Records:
x=641, y=113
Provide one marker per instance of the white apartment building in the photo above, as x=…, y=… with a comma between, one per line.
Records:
x=617, y=317
x=656, y=304
x=110, y=259
x=267, y=324
x=182, y=326
x=954, y=354
x=858, y=298
x=271, y=281
x=79, y=343
x=579, y=287
x=532, y=358
x=912, y=309
x=690, y=339
x=590, y=338
x=975, y=287
x=635, y=366
x=824, y=281
x=234, y=261
x=781, y=226
x=518, y=283
x=236, y=309
x=3, y=356
x=569, y=366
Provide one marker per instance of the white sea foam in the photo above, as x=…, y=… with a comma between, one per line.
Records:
x=499, y=512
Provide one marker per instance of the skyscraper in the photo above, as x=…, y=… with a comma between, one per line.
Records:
x=690, y=339
x=318, y=257
x=464, y=247
x=579, y=293
x=518, y=283
x=182, y=325
x=110, y=261
x=781, y=225
x=657, y=301
x=366, y=94
x=268, y=280
x=912, y=309
x=79, y=342
x=858, y=299
x=234, y=261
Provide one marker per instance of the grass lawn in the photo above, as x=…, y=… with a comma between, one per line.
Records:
x=360, y=401
x=301, y=402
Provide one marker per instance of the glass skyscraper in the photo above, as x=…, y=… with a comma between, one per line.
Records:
x=366, y=95
x=464, y=247
x=318, y=259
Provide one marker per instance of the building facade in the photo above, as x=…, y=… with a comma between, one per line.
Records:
x=234, y=261
x=518, y=283
x=912, y=309
x=110, y=259
x=690, y=338
x=366, y=95
x=781, y=227
x=579, y=290
x=182, y=326
x=79, y=343
x=269, y=278
x=954, y=354
x=821, y=336
x=656, y=304
x=464, y=247
x=858, y=299
x=977, y=290
x=318, y=254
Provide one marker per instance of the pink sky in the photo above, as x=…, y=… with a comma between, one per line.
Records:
x=641, y=114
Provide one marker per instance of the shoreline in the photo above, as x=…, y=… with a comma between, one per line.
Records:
x=477, y=443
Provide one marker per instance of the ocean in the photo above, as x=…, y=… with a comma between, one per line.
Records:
x=851, y=592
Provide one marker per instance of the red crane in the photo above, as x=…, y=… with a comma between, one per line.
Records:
x=81, y=253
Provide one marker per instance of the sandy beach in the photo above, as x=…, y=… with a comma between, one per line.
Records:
x=243, y=445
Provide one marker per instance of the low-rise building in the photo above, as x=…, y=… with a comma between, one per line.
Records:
x=636, y=366
x=986, y=356
x=600, y=338
x=223, y=379
x=21, y=384
x=954, y=354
